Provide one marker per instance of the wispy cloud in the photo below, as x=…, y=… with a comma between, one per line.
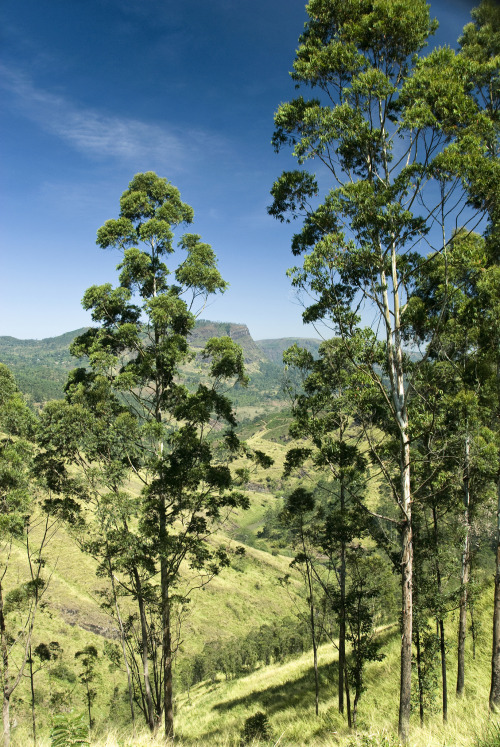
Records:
x=102, y=135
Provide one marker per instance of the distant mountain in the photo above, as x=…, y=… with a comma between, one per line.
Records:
x=274, y=349
x=41, y=366
x=54, y=349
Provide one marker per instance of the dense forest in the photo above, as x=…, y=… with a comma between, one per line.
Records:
x=225, y=541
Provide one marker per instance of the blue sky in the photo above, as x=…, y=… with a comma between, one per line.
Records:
x=94, y=91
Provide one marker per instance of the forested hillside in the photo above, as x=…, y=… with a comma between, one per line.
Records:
x=41, y=367
x=274, y=349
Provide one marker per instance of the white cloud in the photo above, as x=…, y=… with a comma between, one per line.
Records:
x=103, y=135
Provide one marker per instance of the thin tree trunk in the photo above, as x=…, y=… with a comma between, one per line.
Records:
x=342, y=660
x=313, y=635
x=443, y=669
x=5, y=674
x=124, y=649
x=144, y=646
x=407, y=599
x=167, y=638
x=464, y=577
x=494, y=701
x=473, y=630
x=167, y=679
x=355, y=708
x=32, y=697
x=347, y=697
x=89, y=708
x=439, y=620
x=419, y=676
x=392, y=319
x=342, y=606
x=495, y=657
x=6, y=719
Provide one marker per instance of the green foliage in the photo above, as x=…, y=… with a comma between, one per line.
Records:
x=15, y=490
x=69, y=730
x=408, y=143
x=256, y=727
x=129, y=413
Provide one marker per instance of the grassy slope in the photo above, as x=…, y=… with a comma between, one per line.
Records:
x=214, y=714
x=243, y=597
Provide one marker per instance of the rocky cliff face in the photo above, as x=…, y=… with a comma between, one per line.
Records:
x=240, y=333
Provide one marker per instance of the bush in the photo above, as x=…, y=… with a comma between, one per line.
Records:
x=68, y=731
x=256, y=727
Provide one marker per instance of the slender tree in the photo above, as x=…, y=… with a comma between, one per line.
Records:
x=88, y=676
x=323, y=412
x=456, y=441
x=42, y=653
x=480, y=49
x=297, y=515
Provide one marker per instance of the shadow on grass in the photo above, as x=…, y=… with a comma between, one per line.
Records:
x=295, y=694
x=298, y=692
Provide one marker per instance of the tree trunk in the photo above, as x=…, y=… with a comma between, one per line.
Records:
x=124, y=649
x=392, y=318
x=342, y=607
x=419, y=676
x=89, y=708
x=439, y=619
x=473, y=630
x=407, y=600
x=355, y=708
x=495, y=658
x=6, y=719
x=33, y=718
x=167, y=677
x=5, y=675
x=347, y=697
x=9, y=683
x=464, y=577
x=443, y=669
x=313, y=634
x=342, y=661
x=316, y=678
x=165, y=620
x=144, y=645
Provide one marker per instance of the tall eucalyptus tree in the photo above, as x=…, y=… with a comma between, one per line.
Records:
x=158, y=429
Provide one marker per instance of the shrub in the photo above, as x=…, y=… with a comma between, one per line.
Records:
x=256, y=727
x=68, y=730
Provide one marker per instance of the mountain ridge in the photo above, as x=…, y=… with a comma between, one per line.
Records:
x=41, y=366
